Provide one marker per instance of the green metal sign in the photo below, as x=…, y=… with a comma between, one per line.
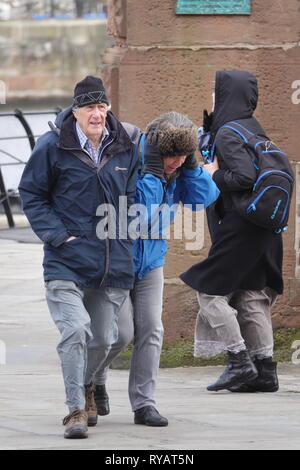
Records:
x=214, y=7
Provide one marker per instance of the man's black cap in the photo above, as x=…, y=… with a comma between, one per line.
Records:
x=89, y=91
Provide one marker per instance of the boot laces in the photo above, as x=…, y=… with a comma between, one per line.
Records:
x=89, y=397
x=75, y=417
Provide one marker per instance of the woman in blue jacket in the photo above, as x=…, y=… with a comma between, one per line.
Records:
x=170, y=174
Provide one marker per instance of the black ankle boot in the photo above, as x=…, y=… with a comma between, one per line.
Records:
x=267, y=380
x=240, y=369
x=101, y=400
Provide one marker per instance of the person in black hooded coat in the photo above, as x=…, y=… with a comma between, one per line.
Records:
x=239, y=281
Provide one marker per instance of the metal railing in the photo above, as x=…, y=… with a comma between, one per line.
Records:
x=16, y=160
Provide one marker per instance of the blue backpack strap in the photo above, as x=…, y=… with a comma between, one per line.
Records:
x=242, y=132
x=142, y=148
x=230, y=125
x=212, y=152
x=238, y=129
x=247, y=133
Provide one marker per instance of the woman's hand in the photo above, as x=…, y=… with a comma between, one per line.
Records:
x=211, y=167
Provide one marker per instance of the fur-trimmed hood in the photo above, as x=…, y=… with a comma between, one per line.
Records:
x=177, y=142
x=173, y=134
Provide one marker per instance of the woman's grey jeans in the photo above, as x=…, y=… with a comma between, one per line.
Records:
x=83, y=317
x=140, y=320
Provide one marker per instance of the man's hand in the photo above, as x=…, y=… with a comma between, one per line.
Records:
x=69, y=239
x=212, y=167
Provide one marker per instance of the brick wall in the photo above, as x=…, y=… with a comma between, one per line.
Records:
x=162, y=61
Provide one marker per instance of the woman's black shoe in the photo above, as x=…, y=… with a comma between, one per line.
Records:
x=149, y=416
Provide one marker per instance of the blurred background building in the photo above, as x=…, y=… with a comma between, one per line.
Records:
x=42, y=9
x=46, y=45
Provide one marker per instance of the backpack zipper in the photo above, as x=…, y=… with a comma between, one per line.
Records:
x=273, y=171
x=252, y=207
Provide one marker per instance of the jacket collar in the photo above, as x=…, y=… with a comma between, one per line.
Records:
x=120, y=141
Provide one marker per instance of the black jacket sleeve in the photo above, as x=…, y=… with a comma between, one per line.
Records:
x=237, y=172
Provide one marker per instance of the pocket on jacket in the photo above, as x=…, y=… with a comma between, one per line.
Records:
x=70, y=247
x=75, y=241
x=80, y=255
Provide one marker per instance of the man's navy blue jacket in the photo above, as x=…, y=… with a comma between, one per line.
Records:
x=61, y=189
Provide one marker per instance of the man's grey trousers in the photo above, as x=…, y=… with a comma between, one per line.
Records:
x=140, y=318
x=83, y=317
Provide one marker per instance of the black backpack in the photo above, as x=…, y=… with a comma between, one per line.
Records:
x=267, y=204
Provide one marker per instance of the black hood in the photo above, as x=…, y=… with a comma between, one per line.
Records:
x=236, y=96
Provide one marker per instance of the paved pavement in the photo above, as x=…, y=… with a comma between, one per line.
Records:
x=22, y=232
x=32, y=393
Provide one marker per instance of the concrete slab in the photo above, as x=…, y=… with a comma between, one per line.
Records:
x=32, y=391
x=20, y=234
x=20, y=219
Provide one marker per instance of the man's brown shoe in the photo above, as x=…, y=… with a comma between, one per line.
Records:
x=90, y=405
x=76, y=425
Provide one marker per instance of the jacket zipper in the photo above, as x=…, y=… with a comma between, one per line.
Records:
x=98, y=168
x=107, y=244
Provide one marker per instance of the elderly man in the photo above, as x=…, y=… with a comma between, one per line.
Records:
x=88, y=162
